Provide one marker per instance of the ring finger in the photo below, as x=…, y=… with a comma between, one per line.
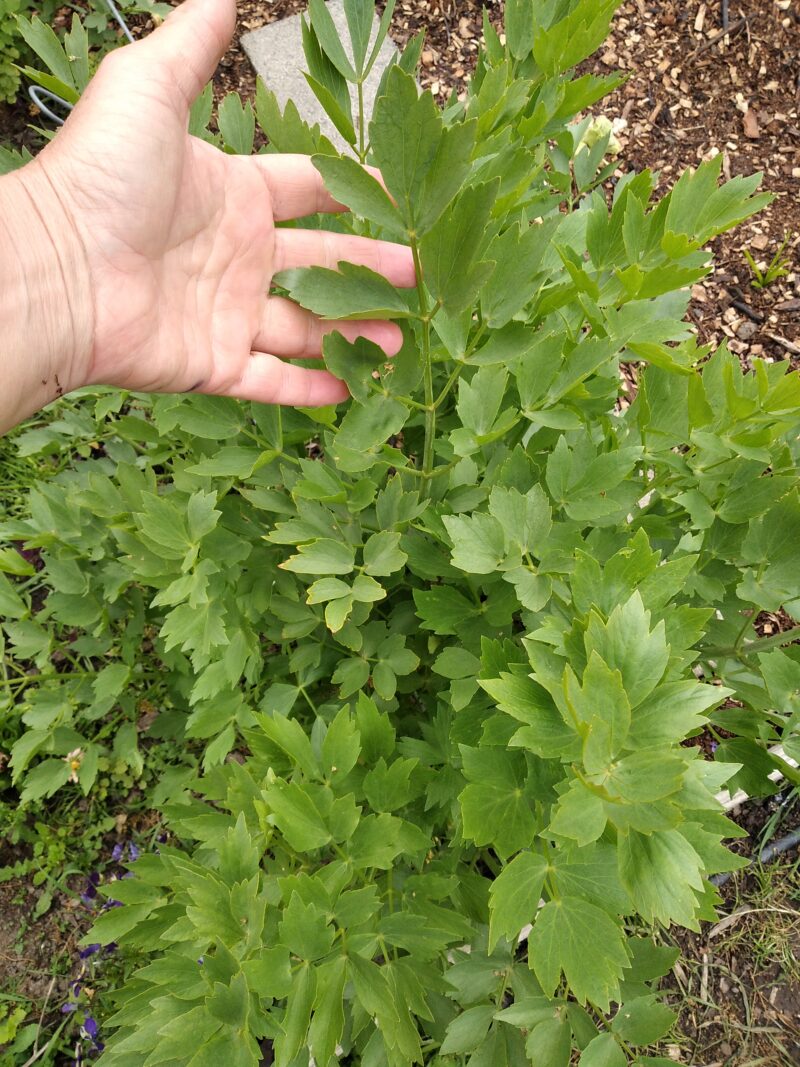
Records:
x=292, y=332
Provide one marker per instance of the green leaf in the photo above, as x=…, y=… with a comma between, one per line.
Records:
x=358, y=190
x=603, y=1051
x=478, y=542
x=388, y=788
x=44, y=780
x=525, y=518
x=591, y=872
x=322, y=556
x=448, y=172
x=404, y=135
x=296, y=816
x=359, y=14
x=370, y=424
x=376, y=842
x=602, y=705
x=114, y=924
x=338, y=114
x=674, y=710
x=454, y=662
x=382, y=554
x=351, y=292
x=550, y=1042
x=328, y=36
x=327, y=1023
x=580, y=815
x=663, y=874
x=494, y=808
x=467, y=1030
x=519, y=24
x=514, y=896
x=290, y=736
x=545, y=732
x=352, y=361
x=237, y=124
x=269, y=972
x=327, y=589
x=12, y=606
x=304, y=930
x=200, y=113
x=13, y=562
x=341, y=747
x=44, y=42
x=645, y=776
x=643, y=1020
x=328, y=84
x=296, y=1017
x=231, y=1004
x=584, y=942
x=442, y=609
x=449, y=250
x=627, y=644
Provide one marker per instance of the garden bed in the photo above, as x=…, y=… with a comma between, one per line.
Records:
x=738, y=985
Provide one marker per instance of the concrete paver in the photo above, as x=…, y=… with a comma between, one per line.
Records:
x=276, y=52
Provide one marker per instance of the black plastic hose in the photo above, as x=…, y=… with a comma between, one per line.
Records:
x=777, y=848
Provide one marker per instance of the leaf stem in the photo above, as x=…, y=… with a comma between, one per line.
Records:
x=761, y=644
x=430, y=410
x=790, y=773
x=451, y=381
x=362, y=152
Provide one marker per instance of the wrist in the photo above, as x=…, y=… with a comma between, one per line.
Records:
x=46, y=312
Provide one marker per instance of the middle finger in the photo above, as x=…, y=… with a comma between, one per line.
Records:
x=323, y=248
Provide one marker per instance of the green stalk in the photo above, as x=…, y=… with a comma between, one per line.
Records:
x=790, y=773
x=761, y=644
x=362, y=152
x=430, y=409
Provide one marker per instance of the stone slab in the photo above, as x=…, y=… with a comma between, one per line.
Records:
x=276, y=53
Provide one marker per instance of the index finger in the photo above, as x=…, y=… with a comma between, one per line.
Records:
x=296, y=187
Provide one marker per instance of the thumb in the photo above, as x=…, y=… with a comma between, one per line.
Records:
x=188, y=46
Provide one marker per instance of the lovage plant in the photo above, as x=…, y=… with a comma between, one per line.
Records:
x=437, y=650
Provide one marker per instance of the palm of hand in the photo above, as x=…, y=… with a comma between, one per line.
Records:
x=180, y=238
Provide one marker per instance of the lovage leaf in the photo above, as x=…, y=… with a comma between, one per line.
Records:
x=663, y=874
x=583, y=941
x=404, y=134
x=357, y=189
x=351, y=292
x=514, y=896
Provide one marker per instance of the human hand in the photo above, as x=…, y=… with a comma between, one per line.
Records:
x=177, y=240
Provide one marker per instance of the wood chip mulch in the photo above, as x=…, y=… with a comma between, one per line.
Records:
x=692, y=92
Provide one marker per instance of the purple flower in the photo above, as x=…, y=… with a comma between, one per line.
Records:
x=90, y=1026
x=75, y=987
x=714, y=745
x=116, y=852
x=88, y=951
x=112, y=946
x=67, y=1008
x=88, y=895
x=133, y=852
